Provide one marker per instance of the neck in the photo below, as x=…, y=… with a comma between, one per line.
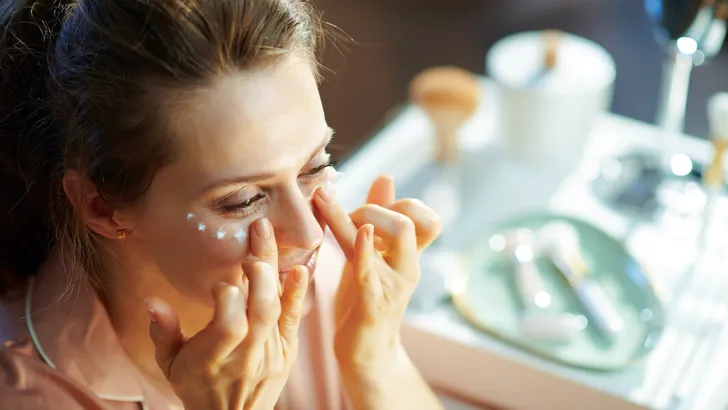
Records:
x=129, y=317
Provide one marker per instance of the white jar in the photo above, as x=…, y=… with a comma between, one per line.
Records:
x=547, y=114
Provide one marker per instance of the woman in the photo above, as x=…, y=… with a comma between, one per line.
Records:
x=167, y=196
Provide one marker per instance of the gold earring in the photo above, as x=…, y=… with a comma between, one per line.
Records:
x=120, y=234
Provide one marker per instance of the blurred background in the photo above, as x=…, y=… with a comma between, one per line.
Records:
x=394, y=40
x=663, y=220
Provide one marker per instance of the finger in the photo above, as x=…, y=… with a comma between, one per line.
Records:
x=396, y=228
x=264, y=247
x=229, y=325
x=245, y=286
x=428, y=224
x=336, y=218
x=370, y=287
x=382, y=191
x=293, y=302
x=165, y=332
x=264, y=305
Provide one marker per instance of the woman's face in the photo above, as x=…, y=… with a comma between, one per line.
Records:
x=251, y=146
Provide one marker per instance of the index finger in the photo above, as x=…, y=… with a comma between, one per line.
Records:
x=263, y=245
x=336, y=218
x=382, y=191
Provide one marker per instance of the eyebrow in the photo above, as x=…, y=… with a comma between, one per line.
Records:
x=250, y=179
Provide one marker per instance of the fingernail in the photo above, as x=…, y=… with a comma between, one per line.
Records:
x=262, y=228
x=152, y=312
x=328, y=192
x=265, y=287
x=369, y=231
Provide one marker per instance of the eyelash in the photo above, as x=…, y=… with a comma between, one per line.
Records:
x=319, y=169
x=249, y=207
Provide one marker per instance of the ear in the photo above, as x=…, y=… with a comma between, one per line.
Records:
x=94, y=211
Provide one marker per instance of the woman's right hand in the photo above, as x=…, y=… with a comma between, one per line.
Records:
x=242, y=359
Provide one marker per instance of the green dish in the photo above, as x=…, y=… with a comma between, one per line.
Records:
x=487, y=299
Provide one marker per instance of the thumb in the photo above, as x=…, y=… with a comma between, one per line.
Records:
x=165, y=332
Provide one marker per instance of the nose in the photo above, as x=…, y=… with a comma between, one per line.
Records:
x=294, y=221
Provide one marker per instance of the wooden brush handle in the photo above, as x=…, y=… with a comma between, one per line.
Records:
x=552, y=42
x=715, y=176
x=447, y=124
x=447, y=151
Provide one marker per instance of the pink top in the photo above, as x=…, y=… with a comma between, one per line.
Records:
x=76, y=361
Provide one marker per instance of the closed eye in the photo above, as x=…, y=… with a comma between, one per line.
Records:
x=319, y=169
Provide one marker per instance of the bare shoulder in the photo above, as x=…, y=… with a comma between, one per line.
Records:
x=27, y=383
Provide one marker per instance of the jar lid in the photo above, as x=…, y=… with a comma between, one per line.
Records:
x=581, y=65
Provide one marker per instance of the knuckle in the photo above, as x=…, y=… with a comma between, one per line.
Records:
x=209, y=370
x=228, y=293
x=367, y=210
x=431, y=220
x=270, y=250
x=289, y=322
x=236, y=329
x=409, y=204
x=264, y=310
x=294, y=310
x=403, y=225
x=367, y=279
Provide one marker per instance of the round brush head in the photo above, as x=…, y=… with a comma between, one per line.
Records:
x=450, y=88
x=449, y=96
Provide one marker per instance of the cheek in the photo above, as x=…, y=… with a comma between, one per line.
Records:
x=217, y=243
x=194, y=254
x=211, y=232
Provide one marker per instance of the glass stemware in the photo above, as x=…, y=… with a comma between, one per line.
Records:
x=691, y=32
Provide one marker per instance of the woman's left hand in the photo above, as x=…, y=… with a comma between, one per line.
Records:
x=382, y=241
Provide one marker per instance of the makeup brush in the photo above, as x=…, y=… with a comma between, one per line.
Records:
x=714, y=177
x=552, y=43
x=449, y=96
x=552, y=40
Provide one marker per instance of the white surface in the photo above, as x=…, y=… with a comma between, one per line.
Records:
x=689, y=362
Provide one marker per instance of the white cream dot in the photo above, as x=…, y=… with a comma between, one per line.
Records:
x=240, y=235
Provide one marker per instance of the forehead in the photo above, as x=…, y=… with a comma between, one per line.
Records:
x=251, y=122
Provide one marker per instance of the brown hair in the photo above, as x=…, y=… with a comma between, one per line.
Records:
x=79, y=84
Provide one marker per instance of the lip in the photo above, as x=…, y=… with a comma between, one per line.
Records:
x=310, y=264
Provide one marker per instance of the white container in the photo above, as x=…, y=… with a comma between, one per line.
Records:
x=547, y=114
